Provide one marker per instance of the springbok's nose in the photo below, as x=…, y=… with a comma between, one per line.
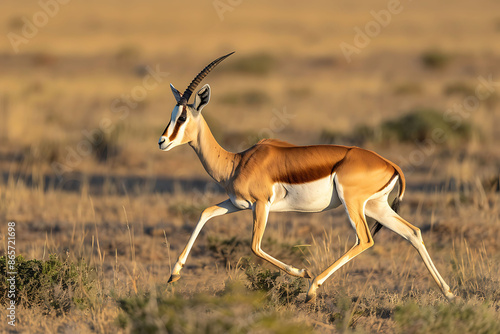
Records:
x=161, y=141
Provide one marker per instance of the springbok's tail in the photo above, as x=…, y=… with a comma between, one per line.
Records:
x=395, y=204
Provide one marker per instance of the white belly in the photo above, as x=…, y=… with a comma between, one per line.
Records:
x=313, y=196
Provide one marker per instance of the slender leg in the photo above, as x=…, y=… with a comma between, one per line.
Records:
x=380, y=210
x=260, y=215
x=364, y=241
x=213, y=211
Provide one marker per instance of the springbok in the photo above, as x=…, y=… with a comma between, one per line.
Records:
x=274, y=175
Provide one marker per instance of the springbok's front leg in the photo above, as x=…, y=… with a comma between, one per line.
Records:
x=260, y=215
x=213, y=211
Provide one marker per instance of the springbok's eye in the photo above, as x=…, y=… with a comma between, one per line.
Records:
x=182, y=119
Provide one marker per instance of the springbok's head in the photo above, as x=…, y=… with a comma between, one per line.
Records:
x=184, y=121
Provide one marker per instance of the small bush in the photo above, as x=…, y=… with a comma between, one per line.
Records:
x=331, y=137
x=53, y=284
x=446, y=318
x=360, y=135
x=105, y=144
x=235, y=310
x=15, y=23
x=127, y=54
x=435, y=59
x=44, y=151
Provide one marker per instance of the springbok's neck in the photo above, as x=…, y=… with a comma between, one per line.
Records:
x=219, y=163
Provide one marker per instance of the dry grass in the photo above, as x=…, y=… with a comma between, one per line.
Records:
x=126, y=210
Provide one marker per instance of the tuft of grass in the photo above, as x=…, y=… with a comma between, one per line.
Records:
x=473, y=273
x=235, y=310
x=299, y=92
x=53, y=285
x=459, y=88
x=409, y=88
x=413, y=318
x=255, y=64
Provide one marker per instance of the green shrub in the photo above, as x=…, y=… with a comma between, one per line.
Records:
x=234, y=310
x=53, y=284
x=446, y=318
x=280, y=288
x=419, y=125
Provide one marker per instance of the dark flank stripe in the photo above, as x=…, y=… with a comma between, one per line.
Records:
x=286, y=163
x=321, y=163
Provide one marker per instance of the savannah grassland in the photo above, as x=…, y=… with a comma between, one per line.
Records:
x=101, y=214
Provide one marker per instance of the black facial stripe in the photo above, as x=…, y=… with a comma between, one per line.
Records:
x=177, y=124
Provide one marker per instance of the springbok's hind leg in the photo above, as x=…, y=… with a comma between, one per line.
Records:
x=364, y=241
x=380, y=210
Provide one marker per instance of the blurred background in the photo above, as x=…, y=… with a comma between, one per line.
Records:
x=332, y=70
x=84, y=97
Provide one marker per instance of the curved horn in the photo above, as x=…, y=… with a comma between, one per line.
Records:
x=187, y=93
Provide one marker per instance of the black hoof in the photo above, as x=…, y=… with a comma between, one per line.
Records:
x=310, y=299
x=174, y=278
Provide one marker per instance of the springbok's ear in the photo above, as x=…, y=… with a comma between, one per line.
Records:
x=202, y=98
x=177, y=95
